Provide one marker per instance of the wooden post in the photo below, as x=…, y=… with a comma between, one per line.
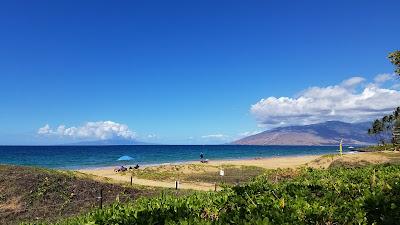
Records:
x=215, y=186
x=101, y=198
x=222, y=174
x=176, y=185
x=131, y=181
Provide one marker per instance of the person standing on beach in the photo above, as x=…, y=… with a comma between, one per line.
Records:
x=201, y=156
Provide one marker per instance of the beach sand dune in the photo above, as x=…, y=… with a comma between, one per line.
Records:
x=269, y=163
x=212, y=166
x=160, y=176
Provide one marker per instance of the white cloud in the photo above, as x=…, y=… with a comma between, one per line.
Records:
x=215, y=136
x=396, y=86
x=151, y=136
x=352, y=82
x=349, y=101
x=249, y=133
x=101, y=130
x=44, y=130
x=382, y=78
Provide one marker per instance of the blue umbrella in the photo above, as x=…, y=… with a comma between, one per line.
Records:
x=125, y=158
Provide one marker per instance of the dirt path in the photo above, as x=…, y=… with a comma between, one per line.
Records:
x=145, y=182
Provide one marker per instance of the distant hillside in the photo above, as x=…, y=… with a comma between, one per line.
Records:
x=327, y=133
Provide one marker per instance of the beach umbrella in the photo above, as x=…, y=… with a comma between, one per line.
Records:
x=125, y=158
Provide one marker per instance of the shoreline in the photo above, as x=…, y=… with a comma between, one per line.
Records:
x=265, y=162
x=203, y=176
x=226, y=161
x=187, y=168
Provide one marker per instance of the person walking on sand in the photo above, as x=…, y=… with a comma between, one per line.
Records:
x=201, y=156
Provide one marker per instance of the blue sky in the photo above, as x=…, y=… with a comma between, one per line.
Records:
x=181, y=71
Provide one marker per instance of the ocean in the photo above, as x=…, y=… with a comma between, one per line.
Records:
x=78, y=157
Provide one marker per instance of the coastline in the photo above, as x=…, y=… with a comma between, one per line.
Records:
x=203, y=176
x=264, y=162
x=212, y=166
x=268, y=162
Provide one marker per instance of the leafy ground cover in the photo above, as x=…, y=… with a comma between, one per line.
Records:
x=339, y=195
x=44, y=195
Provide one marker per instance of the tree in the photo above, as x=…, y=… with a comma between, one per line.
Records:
x=387, y=127
x=377, y=129
x=394, y=58
x=389, y=124
x=396, y=113
x=396, y=127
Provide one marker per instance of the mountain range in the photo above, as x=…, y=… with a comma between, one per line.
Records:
x=326, y=133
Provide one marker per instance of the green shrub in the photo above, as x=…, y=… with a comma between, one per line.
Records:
x=367, y=195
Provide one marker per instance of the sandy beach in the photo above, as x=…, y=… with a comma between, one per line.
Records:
x=190, y=168
x=210, y=167
x=164, y=175
x=268, y=163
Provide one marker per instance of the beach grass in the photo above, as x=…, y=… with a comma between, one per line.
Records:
x=233, y=174
x=379, y=148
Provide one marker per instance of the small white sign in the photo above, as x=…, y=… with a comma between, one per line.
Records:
x=221, y=173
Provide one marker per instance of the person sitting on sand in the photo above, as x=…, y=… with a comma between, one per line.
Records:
x=136, y=167
x=121, y=169
x=202, y=160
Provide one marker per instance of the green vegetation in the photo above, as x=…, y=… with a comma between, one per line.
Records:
x=333, y=155
x=44, y=195
x=233, y=175
x=366, y=195
x=387, y=129
x=199, y=173
x=384, y=129
x=394, y=58
x=377, y=148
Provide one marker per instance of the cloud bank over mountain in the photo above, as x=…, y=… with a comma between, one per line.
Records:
x=100, y=130
x=353, y=100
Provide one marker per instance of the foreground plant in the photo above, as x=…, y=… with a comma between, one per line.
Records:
x=369, y=195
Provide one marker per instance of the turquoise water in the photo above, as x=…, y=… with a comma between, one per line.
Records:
x=75, y=157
